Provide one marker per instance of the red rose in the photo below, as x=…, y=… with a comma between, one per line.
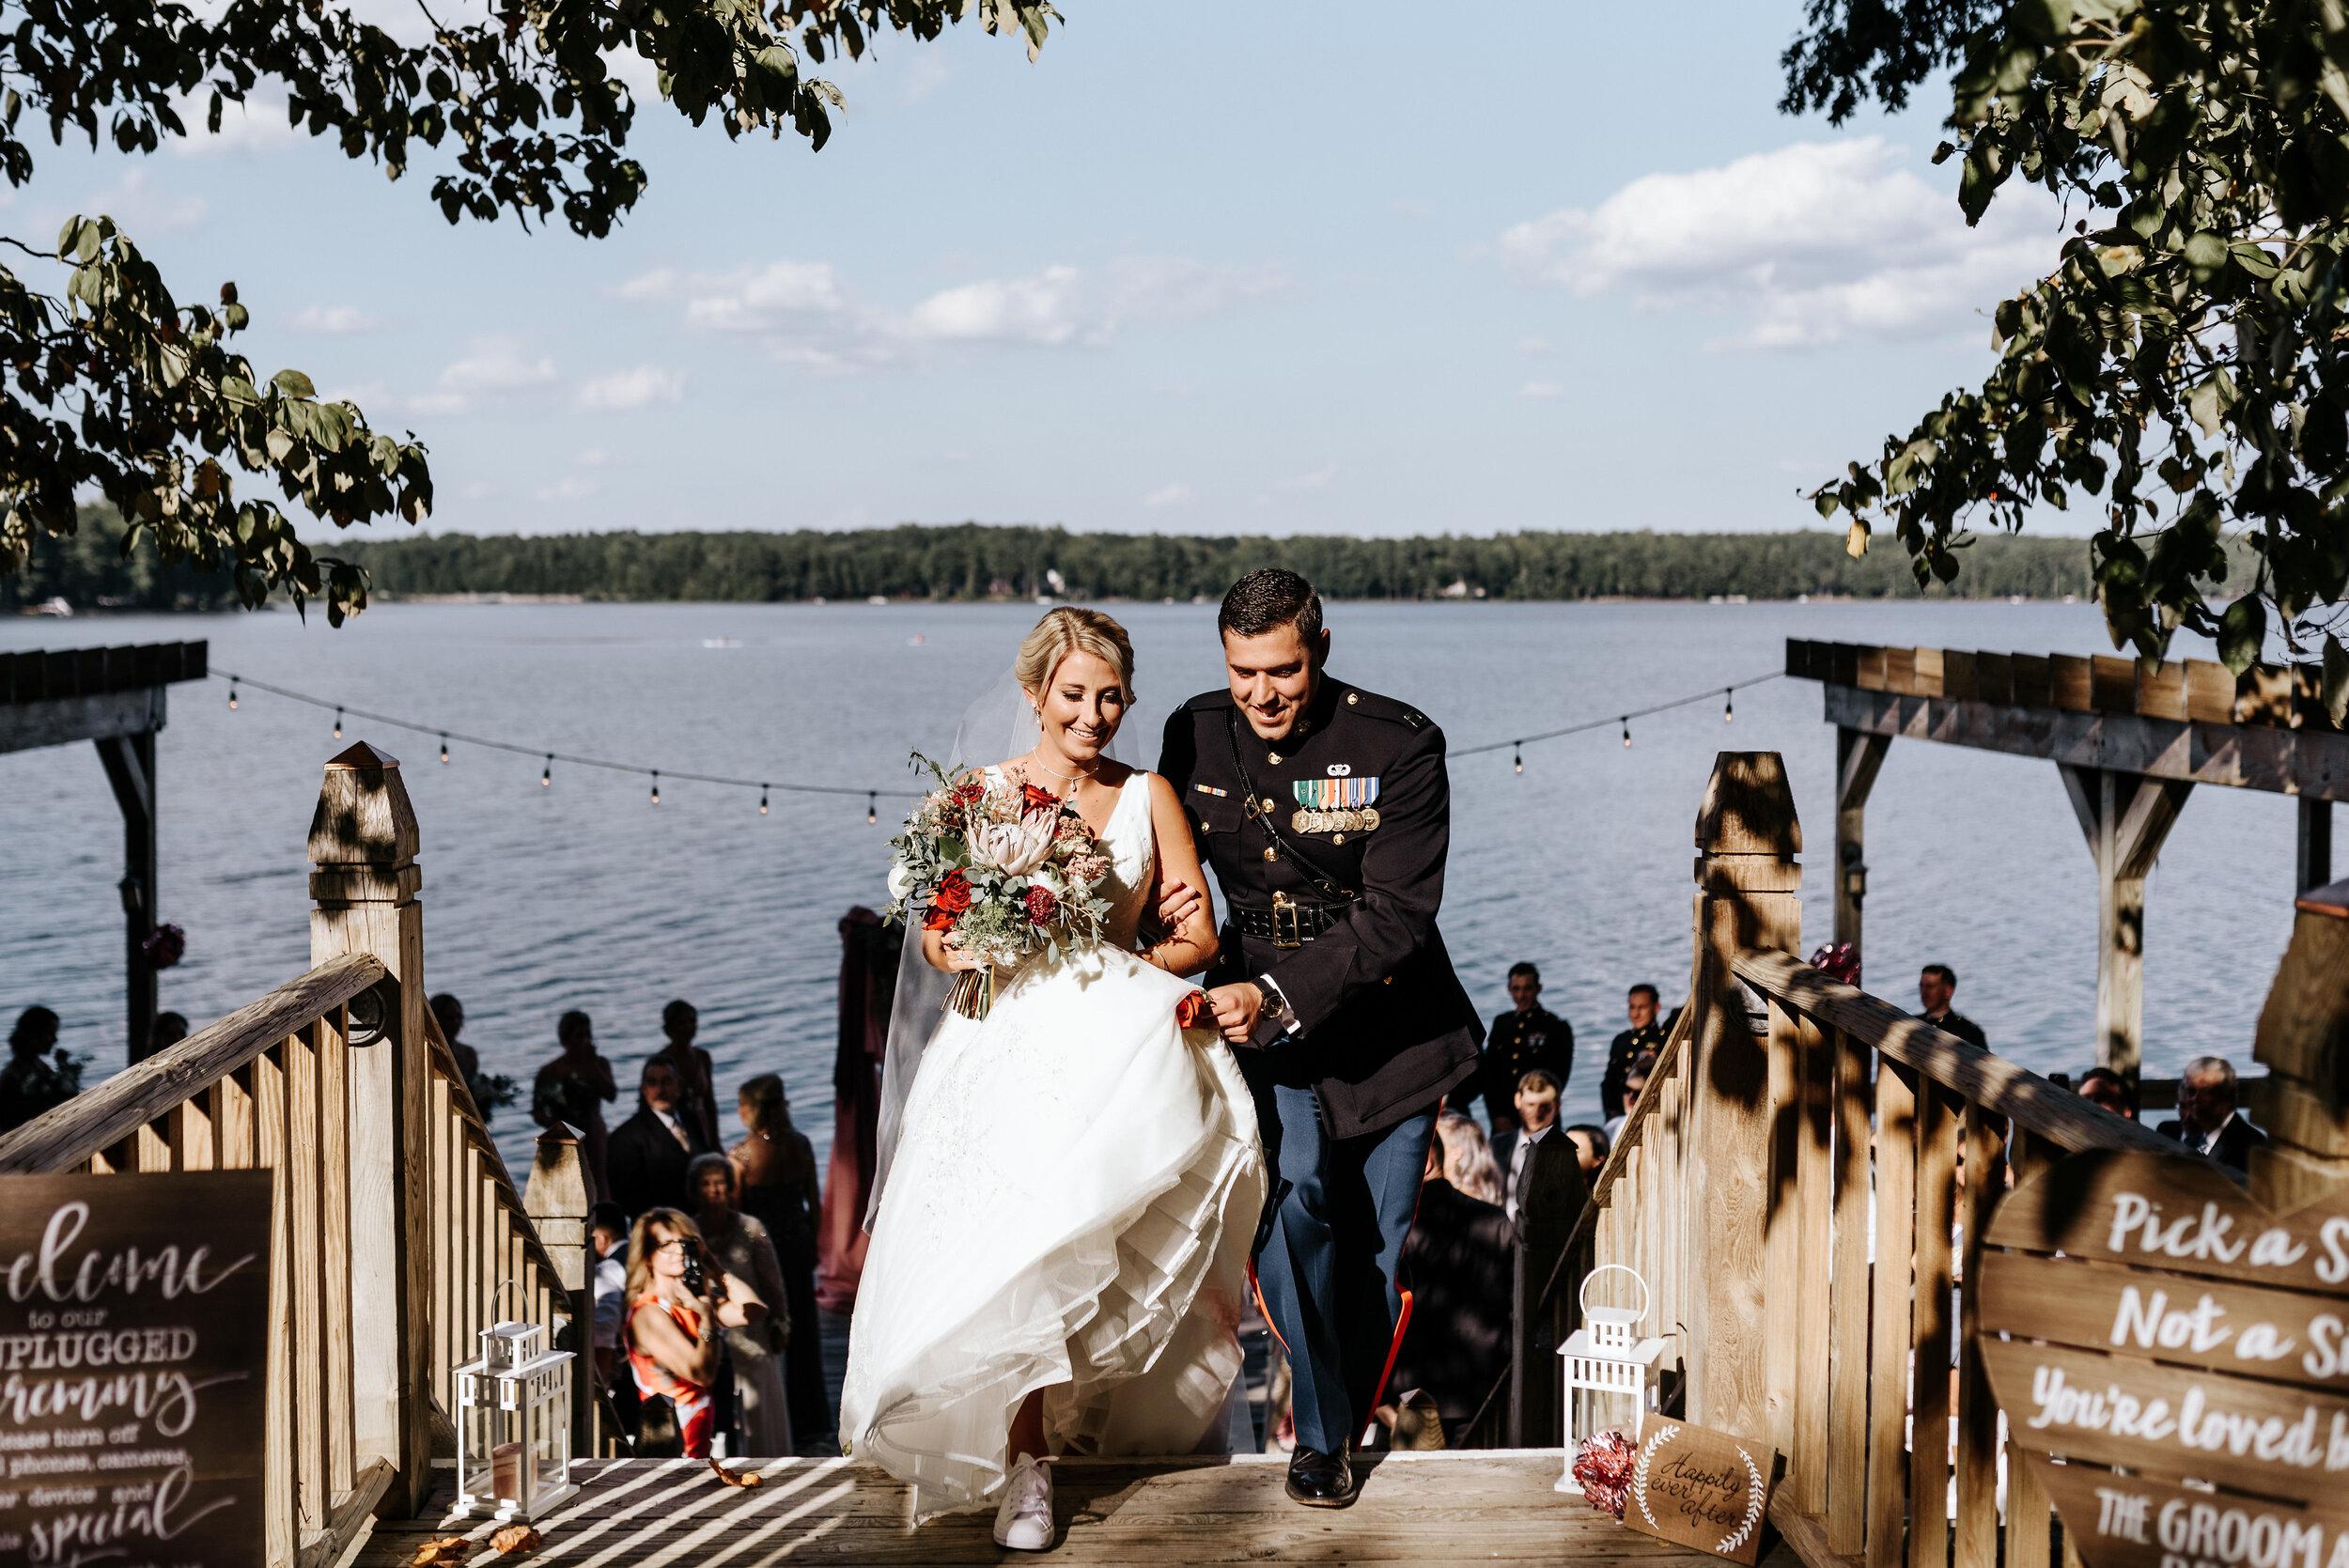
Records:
x=938, y=920
x=1192, y=1009
x=1033, y=799
x=953, y=895
x=1042, y=905
x=971, y=792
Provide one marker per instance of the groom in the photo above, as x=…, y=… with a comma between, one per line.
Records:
x=1326, y=813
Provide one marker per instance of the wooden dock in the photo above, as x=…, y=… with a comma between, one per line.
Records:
x=1495, y=1506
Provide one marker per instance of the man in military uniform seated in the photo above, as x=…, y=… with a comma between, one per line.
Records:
x=1326, y=813
x=1529, y=1035
x=1646, y=1034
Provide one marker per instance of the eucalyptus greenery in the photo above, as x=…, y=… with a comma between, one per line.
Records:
x=2186, y=367
x=120, y=390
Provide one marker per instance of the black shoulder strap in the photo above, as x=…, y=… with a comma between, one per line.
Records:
x=1259, y=810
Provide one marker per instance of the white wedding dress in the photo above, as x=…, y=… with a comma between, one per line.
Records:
x=1075, y=1191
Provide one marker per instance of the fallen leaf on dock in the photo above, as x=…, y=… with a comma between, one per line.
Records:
x=515, y=1540
x=738, y=1478
x=441, y=1551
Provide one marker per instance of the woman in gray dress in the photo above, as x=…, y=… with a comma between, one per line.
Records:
x=740, y=1243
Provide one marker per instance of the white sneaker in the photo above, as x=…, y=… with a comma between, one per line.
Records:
x=1023, y=1521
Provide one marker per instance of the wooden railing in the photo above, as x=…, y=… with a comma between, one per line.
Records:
x=1803, y=1184
x=396, y=1232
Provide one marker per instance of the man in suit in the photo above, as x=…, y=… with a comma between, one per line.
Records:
x=2208, y=1121
x=1326, y=813
x=1935, y=987
x=1537, y=1105
x=1529, y=1035
x=649, y=1151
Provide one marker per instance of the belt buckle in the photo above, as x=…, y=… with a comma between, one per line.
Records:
x=1282, y=905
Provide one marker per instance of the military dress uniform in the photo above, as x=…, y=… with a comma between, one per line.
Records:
x=1621, y=1058
x=1329, y=845
x=1516, y=1044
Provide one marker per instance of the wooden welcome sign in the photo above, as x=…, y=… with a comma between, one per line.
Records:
x=134, y=1369
x=2187, y=1335
x=1697, y=1487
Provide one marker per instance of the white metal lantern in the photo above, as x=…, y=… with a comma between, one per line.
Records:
x=1606, y=1367
x=514, y=1425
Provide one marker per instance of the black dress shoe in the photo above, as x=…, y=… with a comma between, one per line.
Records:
x=1321, y=1479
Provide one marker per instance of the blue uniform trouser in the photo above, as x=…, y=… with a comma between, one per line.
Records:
x=1328, y=1267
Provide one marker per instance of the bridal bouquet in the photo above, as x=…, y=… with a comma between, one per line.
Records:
x=1004, y=871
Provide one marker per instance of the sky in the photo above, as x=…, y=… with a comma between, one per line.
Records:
x=1368, y=269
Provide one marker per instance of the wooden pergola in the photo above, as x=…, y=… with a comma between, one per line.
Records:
x=114, y=698
x=2130, y=739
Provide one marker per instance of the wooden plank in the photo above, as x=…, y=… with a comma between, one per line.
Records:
x=1895, y=1240
x=342, y=1464
x=190, y=1124
x=1977, y=1526
x=313, y=1494
x=2162, y=690
x=2113, y=684
x=69, y=721
x=280, y=1439
x=1900, y=669
x=2071, y=683
x=444, y=1234
x=151, y=1149
x=1929, y=1442
x=1925, y=672
x=2085, y=1207
x=2209, y=692
x=1994, y=678
x=1805, y=1536
x=1987, y=1080
x=2028, y=1512
x=354, y=1510
x=1847, y=1302
x=1958, y=675
x=1781, y=1261
x=233, y=1119
x=2218, y=1325
x=92, y=1121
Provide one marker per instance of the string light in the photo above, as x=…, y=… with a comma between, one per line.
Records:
x=1626, y=729
x=655, y=786
x=232, y=694
x=1729, y=705
x=339, y=723
x=546, y=774
x=872, y=809
x=1518, y=747
x=444, y=750
x=762, y=800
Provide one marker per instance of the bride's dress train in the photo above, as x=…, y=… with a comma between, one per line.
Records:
x=1075, y=1191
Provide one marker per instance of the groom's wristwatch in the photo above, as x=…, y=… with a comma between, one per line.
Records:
x=1275, y=1006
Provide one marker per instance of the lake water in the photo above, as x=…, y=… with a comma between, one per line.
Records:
x=584, y=895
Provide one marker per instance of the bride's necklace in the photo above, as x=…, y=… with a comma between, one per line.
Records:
x=1077, y=779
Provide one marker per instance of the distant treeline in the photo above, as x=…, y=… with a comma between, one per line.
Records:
x=974, y=562
x=970, y=561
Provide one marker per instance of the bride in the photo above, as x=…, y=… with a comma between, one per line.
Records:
x=1059, y=1247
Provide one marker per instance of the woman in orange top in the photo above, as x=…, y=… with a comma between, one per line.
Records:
x=674, y=1346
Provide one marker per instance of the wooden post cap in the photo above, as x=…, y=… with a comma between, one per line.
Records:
x=2331, y=899
x=1749, y=808
x=363, y=817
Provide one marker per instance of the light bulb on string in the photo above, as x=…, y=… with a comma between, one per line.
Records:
x=1729, y=705
x=655, y=786
x=1626, y=729
x=762, y=800
x=1518, y=749
x=339, y=723
x=232, y=693
x=546, y=774
x=872, y=809
x=444, y=750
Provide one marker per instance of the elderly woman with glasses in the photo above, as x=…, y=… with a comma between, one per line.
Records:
x=678, y=1300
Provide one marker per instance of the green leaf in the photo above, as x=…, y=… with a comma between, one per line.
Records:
x=293, y=383
x=2242, y=634
x=2206, y=253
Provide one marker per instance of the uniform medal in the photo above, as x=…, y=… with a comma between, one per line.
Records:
x=1335, y=805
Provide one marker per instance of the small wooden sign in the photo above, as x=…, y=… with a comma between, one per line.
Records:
x=1701, y=1488
x=134, y=1369
x=2140, y=1310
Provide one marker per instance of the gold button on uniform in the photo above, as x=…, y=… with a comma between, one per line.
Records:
x=1337, y=838
x=1271, y=853
x=1353, y=697
x=1275, y=758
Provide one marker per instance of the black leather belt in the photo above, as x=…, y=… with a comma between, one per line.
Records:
x=1286, y=923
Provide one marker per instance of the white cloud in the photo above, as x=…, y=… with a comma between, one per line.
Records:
x=928, y=73
x=479, y=489
x=809, y=316
x=1168, y=495
x=496, y=365
x=571, y=489
x=1316, y=480
x=1541, y=389
x=1533, y=346
x=426, y=404
x=634, y=388
x=257, y=125
x=1810, y=244
x=592, y=456
x=143, y=207
x=333, y=320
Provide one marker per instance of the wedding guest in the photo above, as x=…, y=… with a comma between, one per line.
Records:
x=1469, y=1165
x=32, y=1084
x=571, y=1091
x=1645, y=1036
x=1634, y=1081
x=1537, y=1116
x=1591, y=1144
x=675, y=1349
x=697, y=1095
x=2208, y=1121
x=652, y=1149
x=1935, y=987
x=740, y=1242
x=607, y=1233
x=1529, y=1035
x=169, y=1029
x=2103, y=1086
x=776, y=1166
x=489, y=1090
x=1459, y=1263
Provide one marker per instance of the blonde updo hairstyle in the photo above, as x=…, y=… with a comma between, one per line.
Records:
x=1070, y=630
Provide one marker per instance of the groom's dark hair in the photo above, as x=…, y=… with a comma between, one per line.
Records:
x=1268, y=598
